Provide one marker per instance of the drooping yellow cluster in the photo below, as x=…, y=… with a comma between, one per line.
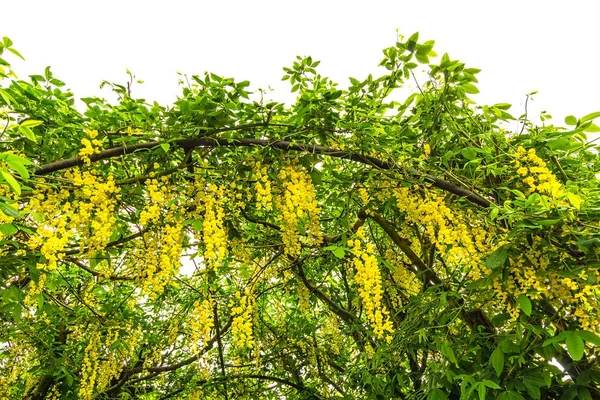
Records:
x=535, y=174
x=532, y=274
x=368, y=280
x=157, y=199
x=158, y=257
x=17, y=360
x=403, y=279
x=91, y=146
x=112, y=363
x=89, y=367
x=462, y=238
x=94, y=208
x=303, y=298
x=86, y=214
x=34, y=291
x=587, y=302
x=262, y=187
x=201, y=323
x=427, y=148
x=241, y=326
x=53, y=211
x=214, y=234
x=298, y=205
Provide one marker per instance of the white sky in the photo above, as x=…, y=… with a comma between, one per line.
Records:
x=521, y=46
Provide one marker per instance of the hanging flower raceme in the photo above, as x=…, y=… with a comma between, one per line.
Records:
x=85, y=214
x=201, y=323
x=91, y=146
x=241, y=326
x=89, y=369
x=262, y=187
x=214, y=234
x=298, y=206
x=368, y=280
x=158, y=256
x=535, y=174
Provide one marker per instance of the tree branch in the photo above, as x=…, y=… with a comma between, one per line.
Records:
x=279, y=144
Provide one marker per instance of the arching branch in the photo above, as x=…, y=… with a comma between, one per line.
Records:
x=279, y=144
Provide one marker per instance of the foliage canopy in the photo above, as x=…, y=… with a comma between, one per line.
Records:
x=347, y=246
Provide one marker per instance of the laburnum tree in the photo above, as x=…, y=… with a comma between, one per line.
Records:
x=355, y=245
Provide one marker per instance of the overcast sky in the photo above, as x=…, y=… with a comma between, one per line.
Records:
x=521, y=46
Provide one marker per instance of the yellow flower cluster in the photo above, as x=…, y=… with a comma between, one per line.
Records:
x=157, y=196
x=456, y=236
x=94, y=208
x=17, y=360
x=297, y=203
x=86, y=214
x=262, y=187
x=214, y=234
x=35, y=289
x=368, y=280
x=241, y=326
x=89, y=368
x=402, y=277
x=427, y=148
x=303, y=299
x=53, y=233
x=535, y=174
x=112, y=363
x=91, y=146
x=201, y=323
x=159, y=258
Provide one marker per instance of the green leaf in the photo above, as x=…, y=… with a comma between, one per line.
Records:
x=339, y=252
x=8, y=229
x=422, y=58
x=165, y=146
x=593, y=128
x=589, y=337
x=16, y=53
x=525, y=304
x=469, y=88
x=31, y=123
x=494, y=213
x=11, y=181
x=9, y=210
x=481, y=389
x=571, y=120
x=436, y=394
x=575, y=345
x=28, y=133
x=8, y=99
x=497, y=360
x=497, y=258
x=469, y=153
x=510, y=395
x=448, y=352
x=19, y=168
x=583, y=393
x=590, y=117
x=532, y=390
x=491, y=384
x=6, y=42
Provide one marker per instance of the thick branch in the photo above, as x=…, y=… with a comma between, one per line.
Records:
x=280, y=144
x=404, y=246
